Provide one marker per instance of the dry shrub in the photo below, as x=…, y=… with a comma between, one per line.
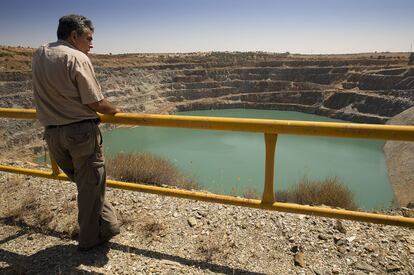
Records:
x=209, y=251
x=216, y=246
x=17, y=200
x=329, y=191
x=250, y=193
x=21, y=206
x=148, y=169
x=126, y=219
x=153, y=228
x=66, y=220
x=282, y=196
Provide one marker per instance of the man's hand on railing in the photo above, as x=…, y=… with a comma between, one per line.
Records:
x=104, y=107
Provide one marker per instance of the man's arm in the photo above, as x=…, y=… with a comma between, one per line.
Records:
x=104, y=107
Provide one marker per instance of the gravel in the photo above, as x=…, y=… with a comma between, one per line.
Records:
x=163, y=235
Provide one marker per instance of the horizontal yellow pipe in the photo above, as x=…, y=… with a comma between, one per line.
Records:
x=18, y=113
x=209, y=197
x=292, y=127
x=33, y=172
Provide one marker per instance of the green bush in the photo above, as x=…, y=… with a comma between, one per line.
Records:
x=148, y=169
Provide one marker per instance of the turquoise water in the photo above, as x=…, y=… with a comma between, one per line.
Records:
x=230, y=162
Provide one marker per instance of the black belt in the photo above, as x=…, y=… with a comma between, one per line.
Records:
x=93, y=120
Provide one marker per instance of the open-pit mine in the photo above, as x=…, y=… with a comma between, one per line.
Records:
x=362, y=88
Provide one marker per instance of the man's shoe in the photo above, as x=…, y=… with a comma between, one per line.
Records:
x=85, y=249
x=103, y=240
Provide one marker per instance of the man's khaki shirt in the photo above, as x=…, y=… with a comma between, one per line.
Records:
x=63, y=83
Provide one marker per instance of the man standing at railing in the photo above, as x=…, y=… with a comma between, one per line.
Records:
x=67, y=97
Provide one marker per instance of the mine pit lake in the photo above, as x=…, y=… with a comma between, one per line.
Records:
x=229, y=163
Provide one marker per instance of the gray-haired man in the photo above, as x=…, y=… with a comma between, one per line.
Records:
x=67, y=97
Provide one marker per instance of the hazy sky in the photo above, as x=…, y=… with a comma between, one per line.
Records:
x=297, y=26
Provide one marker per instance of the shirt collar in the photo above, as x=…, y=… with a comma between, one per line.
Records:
x=66, y=43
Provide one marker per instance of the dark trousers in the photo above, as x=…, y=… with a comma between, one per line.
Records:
x=77, y=149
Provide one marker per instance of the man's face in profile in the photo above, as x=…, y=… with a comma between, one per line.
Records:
x=83, y=42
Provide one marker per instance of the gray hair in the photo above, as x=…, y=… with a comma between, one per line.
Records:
x=73, y=22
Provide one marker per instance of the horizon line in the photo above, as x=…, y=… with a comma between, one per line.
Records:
x=227, y=51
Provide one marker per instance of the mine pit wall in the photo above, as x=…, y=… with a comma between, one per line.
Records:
x=362, y=94
x=400, y=162
x=363, y=91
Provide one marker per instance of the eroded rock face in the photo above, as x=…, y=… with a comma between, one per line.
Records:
x=400, y=162
x=356, y=88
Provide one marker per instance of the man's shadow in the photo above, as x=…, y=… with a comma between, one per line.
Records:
x=59, y=259
x=66, y=259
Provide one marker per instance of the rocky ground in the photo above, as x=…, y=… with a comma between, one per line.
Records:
x=163, y=235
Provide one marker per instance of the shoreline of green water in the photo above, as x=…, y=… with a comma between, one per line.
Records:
x=201, y=154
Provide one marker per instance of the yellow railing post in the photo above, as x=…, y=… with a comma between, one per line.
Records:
x=268, y=192
x=55, y=167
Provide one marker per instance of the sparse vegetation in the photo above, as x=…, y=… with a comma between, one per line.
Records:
x=18, y=201
x=5, y=53
x=209, y=251
x=216, y=246
x=250, y=193
x=23, y=207
x=153, y=228
x=148, y=169
x=329, y=192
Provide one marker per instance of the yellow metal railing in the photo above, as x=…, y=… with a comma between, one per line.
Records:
x=270, y=128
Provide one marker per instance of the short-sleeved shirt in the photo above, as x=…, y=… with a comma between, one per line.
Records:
x=64, y=82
